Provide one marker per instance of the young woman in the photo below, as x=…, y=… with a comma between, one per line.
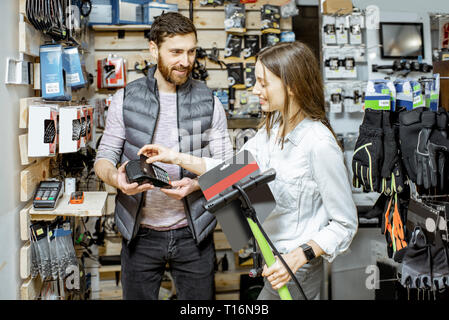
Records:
x=315, y=215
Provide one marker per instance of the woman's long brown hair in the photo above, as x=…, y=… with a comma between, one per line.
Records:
x=297, y=67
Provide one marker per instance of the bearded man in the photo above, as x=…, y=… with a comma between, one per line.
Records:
x=164, y=227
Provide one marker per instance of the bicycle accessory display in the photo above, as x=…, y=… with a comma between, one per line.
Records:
x=47, y=195
x=142, y=172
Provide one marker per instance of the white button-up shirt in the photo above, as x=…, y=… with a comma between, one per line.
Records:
x=312, y=190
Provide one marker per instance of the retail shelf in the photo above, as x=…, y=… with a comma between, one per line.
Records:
x=93, y=206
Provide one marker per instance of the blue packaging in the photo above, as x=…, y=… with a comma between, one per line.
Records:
x=101, y=12
x=128, y=11
x=288, y=36
x=72, y=66
x=154, y=9
x=222, y=95
x=53, y=83
x=378, y=95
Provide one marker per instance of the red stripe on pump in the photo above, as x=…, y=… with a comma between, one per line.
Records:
x=230, y=180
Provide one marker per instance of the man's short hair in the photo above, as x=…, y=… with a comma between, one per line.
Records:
x=168, y=25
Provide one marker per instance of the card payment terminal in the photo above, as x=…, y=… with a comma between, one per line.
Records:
x=47, y=195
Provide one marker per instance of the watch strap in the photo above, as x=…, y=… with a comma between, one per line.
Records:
x=308, y=252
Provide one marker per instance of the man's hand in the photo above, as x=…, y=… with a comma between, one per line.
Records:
x=130, y=188
x=181, y=188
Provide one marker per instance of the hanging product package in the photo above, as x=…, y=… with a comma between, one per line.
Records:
x=236, y=76
x=233, y=46
x=289, y=10
x=53, y=81
x=72, y=65
x=288, y=36
x=404, y=95
x=251, y=45
x=270, y=18
x=111, y=72
x=69, y=129
x=42, y=130
x=377, y=96
x=270, y=39
x=39, y=236
x=250, y=77
x=355, y=29
x=64, y=250
x=53, y=253
x=418, y=99
x=235, y=20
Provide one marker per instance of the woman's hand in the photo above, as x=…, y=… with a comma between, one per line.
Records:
x=181, y=188
x=156, y=152
x=277, y=274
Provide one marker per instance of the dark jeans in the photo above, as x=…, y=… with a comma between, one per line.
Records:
x=191, y=266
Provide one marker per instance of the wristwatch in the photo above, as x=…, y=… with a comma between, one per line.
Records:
x=308, y=252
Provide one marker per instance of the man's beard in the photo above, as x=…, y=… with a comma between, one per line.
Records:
x=170, y=76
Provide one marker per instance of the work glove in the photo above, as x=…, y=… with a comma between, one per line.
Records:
x=440, y=264
x=416, y=270
x=368, y=153
x=439, y=146
x=391, y=173
x=426, y=163
x=415, y=127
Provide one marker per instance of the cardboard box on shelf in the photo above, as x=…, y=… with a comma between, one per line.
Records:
x=337, y=7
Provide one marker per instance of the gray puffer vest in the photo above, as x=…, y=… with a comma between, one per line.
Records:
x=195, y=104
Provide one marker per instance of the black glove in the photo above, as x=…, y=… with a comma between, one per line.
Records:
x=392, y=176
x=415, y=127
x=416, y=269
x=440, y=264
x=439, y=146
x=427, y=170
x=368, y=153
